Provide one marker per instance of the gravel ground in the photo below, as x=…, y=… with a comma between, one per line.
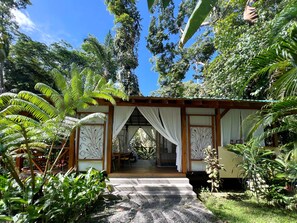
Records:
x=140, y=209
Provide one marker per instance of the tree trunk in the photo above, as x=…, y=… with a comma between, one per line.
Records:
x=1, y=77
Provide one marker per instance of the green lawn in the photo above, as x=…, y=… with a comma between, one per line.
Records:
x=236, y=207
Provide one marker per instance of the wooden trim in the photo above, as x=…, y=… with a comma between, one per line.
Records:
x=184, y=139
x=199, y=115
x=103, y=148
x=183, y=102
x=71, y=149
x=109, y=138
x=213, y=131
x=206, y=126
x=189, y=145
x=223, y=113
x=212, y=127
x=218, y=128
x=77, y=148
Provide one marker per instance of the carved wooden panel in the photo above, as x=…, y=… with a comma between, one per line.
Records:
x=91, y=142
x=201, y=137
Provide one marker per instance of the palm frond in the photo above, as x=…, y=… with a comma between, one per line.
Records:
x=5, y=98
x=97, y=48
x=51, y=94
x=76, y=83
x=31, y=108
x=286, y=85
x=103, y=95
x=22, y=120
x=100, y=83
x=59, y=79
x=38, y=101
x=11, y=109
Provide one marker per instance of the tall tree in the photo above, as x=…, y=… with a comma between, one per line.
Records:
x=8, y=28
x=27, y=64
x=170, y=61
x=127, y=26
x=237, y=42
x=30, y=62
x=101, y=57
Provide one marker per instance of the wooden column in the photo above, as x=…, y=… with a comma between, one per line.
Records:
x=184, y=139
x=71, y=152
x=109, y=138
x=218, y=128
x=19, y=163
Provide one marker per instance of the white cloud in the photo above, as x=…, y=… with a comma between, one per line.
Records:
x=23, y=20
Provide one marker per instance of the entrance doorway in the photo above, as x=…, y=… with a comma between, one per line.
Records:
x=139, y=148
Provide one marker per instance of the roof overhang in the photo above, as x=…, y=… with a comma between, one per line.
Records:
x=184, y=102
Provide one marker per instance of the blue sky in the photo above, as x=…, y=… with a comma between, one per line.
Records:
x=50, y=21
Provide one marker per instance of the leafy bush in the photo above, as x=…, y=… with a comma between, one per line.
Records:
x=146, y=153
x=62, y=198
x=269, y=175
x=213, y=167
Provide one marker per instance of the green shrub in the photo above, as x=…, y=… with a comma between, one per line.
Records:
x=269, y=175
x=62, y=198
x=146, y=153
x=213, y=168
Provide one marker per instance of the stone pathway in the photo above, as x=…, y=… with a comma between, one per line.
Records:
x=150, y=200
x=139, y=209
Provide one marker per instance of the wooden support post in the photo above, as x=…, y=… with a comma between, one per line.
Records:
x=109, y=138
x=184, y=139
x=71, y=153
x=19, y=163
x=218, y=128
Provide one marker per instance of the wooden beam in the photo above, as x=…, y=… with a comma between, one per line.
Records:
x=109, y=138
x=218, y=127
x=71, y=160
x=224, y=112
x=184, y=139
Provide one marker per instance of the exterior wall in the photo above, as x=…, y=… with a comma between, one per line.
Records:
x=201, y=130
x=200, y=134
x=92, y=141
x=230, y=161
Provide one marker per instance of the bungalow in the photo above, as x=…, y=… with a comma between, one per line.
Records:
x=182, y=129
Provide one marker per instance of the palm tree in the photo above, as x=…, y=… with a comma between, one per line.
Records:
x=279, y=63
x=30, y=122
x=104, y=54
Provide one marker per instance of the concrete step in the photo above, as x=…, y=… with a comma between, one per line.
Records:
x=155, y=181
x=154, y=194
x=149, y=188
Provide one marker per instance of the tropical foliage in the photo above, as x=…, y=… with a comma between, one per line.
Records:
x=271, y=174
x=127, y=25
x=63, y=198
x=213, y=168
x=30, y=123
x=8, y=29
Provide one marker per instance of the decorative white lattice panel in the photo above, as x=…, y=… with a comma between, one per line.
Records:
x=91, y=140
x=201, y=137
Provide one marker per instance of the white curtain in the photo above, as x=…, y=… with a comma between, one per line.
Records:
x=131, y=132
x=151, y=132
x=120, y=117
x=234, y=128
x=167, y=122
x=230, y=126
